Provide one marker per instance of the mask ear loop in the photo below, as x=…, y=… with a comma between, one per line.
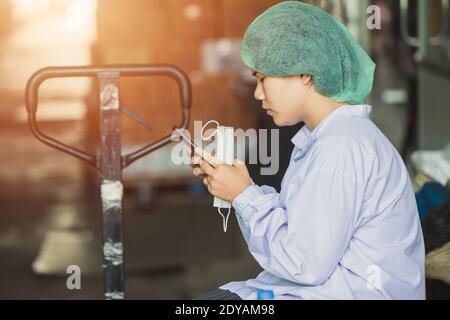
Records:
x=225, y=218
x=214, y=132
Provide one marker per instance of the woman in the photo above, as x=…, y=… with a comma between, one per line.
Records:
x=345, y=224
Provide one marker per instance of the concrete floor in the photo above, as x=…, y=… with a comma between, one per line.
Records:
x=51, y=218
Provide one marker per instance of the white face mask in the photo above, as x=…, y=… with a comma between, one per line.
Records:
x=225, y=153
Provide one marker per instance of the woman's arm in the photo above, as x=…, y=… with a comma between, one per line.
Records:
x=305, y=240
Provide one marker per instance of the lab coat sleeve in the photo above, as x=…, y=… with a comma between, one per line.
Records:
x=304, y=241
x=247, y=194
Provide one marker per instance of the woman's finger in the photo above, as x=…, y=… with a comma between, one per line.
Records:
x=238, y=162
x=207, y=168
x=195, y=160
x=207, y=156
x=198, y=172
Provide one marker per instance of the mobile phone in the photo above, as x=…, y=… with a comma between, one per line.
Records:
x=189, y=143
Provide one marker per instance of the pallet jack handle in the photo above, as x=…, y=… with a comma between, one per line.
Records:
x=114, y=72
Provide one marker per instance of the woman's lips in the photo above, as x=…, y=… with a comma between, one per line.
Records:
x=269, y=111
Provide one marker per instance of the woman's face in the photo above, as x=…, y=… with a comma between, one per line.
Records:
x=284, y=98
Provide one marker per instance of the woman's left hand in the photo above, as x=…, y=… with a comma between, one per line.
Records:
x=223, y=181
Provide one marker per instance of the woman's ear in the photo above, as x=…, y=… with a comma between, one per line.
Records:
x=306, y=79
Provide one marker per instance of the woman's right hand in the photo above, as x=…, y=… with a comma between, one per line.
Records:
x=195, y=164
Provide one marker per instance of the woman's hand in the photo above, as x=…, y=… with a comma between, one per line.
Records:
x=223, y=181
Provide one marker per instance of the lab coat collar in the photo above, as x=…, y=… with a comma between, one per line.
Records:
x=305, y=138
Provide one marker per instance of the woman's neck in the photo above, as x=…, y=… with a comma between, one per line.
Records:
x=319, y=110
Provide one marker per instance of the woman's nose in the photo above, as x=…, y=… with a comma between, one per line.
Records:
x=259, y=92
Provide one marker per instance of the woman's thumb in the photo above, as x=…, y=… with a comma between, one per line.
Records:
x=238, y=163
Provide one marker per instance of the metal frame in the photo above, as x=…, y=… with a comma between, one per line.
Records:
x=109, y=161
x=423, y=41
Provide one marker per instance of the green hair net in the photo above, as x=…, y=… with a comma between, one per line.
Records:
x=293, y=38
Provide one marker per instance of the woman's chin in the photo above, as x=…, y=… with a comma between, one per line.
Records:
x=283, y=123
x=279, y=121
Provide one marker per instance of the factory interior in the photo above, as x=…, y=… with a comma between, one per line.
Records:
x=174, y=245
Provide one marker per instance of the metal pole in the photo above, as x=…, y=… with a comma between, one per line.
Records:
x=110, y=165
x=423, y=14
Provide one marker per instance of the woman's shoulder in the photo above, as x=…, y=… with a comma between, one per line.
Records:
x=356, y=146
x=355, y=135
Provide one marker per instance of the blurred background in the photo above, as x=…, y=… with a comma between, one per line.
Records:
x=50, y=207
